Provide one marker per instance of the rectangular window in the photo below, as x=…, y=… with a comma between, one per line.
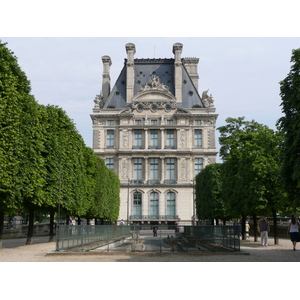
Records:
x=154, y=172
x=154, y=204
x=138, y=122
x=169, y=122
x=197, y=122
x=110, y=122
x=170, y=138
x=171, y=204
x=153, y=122
x=198, y=138
x=110, y=163
x=110, y=138
x=138, y=138
x=153, y=138
x=198, y=165
x=170, y=169
x=138, y=169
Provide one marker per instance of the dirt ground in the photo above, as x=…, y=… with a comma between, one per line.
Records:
x=250, y=252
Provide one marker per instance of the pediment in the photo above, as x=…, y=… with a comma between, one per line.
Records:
x=153, y=95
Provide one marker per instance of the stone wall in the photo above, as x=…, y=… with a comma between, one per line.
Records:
x=38, y=230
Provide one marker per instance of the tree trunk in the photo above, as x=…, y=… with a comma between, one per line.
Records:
x=243, y=227
x=1, y=226
x=51, y=234
x=275, y=226
x=79, y=221
x=30, y=227
x=255, y=228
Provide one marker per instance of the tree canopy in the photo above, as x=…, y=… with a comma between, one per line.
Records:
x=290, y=126
x=44, y=163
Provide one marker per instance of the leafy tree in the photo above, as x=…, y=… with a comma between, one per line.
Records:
x=290, y=125
x=251, y=178
x=209, y=202
x=18, y=147
x=32, y=165
x=44, y=162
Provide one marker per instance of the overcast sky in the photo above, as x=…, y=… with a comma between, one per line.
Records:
x=242, y=74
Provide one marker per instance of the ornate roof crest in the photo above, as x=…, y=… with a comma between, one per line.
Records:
x=154, y=84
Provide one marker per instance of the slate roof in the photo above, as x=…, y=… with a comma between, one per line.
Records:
x=143, y=70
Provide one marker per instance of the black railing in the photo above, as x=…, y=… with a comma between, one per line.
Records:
x=170, y=181
x=153, y=181
x=153, y=217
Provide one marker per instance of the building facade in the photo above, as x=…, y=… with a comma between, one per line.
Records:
x=156, y=132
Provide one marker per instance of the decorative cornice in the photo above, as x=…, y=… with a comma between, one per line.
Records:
x=154, y=60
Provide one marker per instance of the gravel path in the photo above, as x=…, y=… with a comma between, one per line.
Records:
x=250, y=252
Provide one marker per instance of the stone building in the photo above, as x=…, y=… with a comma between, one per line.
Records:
x=156, y=132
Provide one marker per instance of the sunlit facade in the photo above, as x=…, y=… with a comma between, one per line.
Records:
x=156, y=132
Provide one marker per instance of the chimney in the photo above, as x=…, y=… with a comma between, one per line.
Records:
x=191, y=65
x=105, y=77
x=130, y=50
x=177, y=50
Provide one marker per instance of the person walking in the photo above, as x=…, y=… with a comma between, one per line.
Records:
x=263, y=228
x=293, y=230
x=155, y=231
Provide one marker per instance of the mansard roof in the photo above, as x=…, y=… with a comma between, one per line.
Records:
x=144, y=70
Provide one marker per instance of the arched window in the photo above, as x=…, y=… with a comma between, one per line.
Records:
x=154, y=204
x=171, y=209
x=137, y=204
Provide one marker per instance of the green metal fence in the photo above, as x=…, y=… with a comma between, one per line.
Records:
x=88, y=237
x=225, y=237
x=137, y=238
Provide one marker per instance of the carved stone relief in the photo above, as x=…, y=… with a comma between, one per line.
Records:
x=183, y=169
x=124, y=169
x=182, y=138
x=125, y=138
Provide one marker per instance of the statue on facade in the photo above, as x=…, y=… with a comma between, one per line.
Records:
x=208, y=101
x=98, y=102
x=154, y=83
